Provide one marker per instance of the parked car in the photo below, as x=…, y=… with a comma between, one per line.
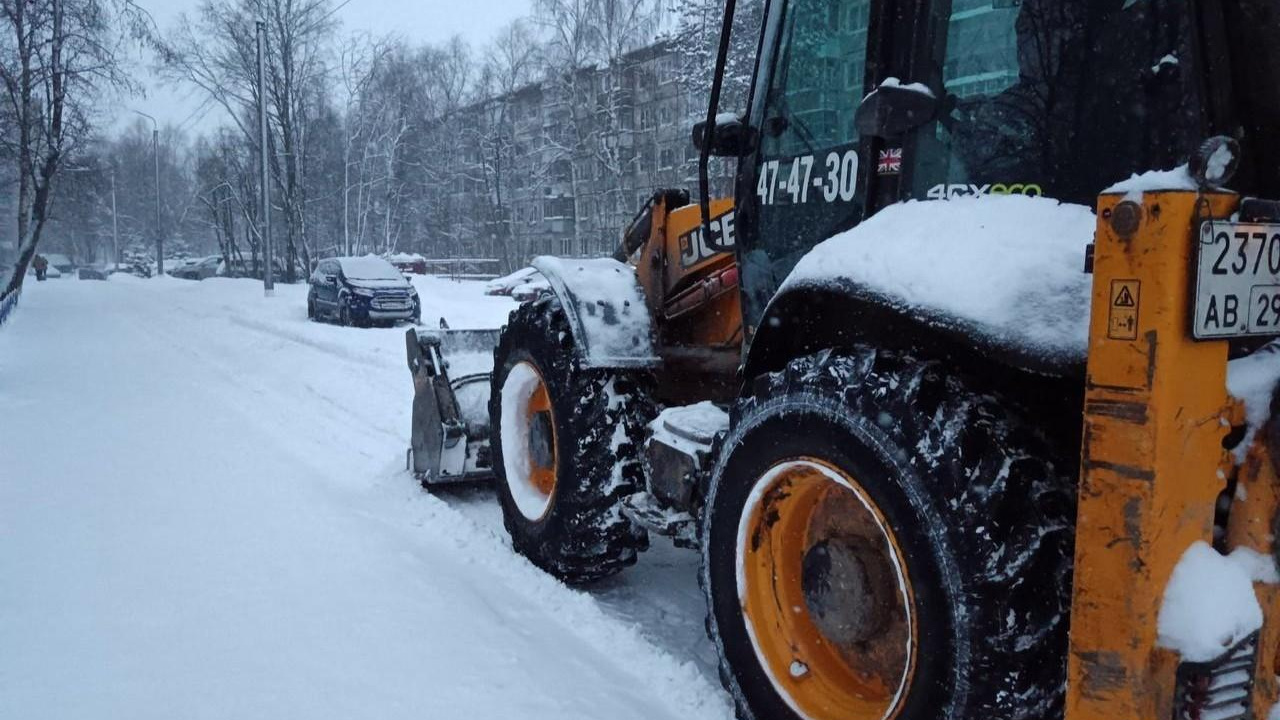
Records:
x=178, y=264
x=61, y=262
x=531, y=290
x=361, y=291
x=92, y=273
x=245, y=268
x=504, y=286
x=136, y=266
x=409, y=263
x=198, y=269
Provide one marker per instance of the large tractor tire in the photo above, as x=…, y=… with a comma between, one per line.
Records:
x=566, y=449
x=885, y=541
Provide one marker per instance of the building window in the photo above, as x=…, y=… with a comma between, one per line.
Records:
x=561, y=171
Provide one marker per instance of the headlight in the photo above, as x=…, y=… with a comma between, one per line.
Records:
x=413, y=293
x=362, y=292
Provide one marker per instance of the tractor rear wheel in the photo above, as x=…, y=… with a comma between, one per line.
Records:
x=566, y=449
x=883, y=541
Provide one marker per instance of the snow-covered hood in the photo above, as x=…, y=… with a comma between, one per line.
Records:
x=380, y=284
x=1007, y=268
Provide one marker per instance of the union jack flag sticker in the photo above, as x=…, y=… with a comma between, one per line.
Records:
x=890, y=162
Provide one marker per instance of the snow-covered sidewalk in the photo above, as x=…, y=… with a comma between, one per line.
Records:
x=203, y=514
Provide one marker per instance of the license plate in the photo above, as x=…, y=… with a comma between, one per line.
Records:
x=1237, y=281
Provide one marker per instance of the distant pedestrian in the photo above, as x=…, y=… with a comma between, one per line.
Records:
x=42, y=266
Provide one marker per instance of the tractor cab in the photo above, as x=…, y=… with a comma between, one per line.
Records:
x=860, y=105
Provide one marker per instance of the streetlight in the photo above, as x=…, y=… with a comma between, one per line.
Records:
x=155, y=148
x=115, y=228
x=268, y=272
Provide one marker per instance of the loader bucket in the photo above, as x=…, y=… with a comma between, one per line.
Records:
x=451, y=371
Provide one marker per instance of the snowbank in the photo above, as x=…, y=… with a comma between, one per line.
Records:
x=1209, y=604
x=233, y=534
x=1010, y=268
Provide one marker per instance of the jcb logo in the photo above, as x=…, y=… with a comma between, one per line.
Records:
x=694, y=248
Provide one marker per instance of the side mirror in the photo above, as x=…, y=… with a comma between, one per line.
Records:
x=893, y=109
x=732, y=137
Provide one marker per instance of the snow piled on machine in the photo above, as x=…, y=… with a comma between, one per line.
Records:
x=1010, y=268
x=1178, y=178
x=1252, y=380
x=689, y=427
x=1209, y=604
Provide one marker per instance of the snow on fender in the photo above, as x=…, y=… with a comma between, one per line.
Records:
x=1008, y=268
x=606, y=309
x=1209, y=604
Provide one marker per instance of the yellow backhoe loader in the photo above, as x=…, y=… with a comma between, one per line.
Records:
x=941, y=395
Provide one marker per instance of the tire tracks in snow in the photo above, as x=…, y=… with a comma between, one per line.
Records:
x=615, y=622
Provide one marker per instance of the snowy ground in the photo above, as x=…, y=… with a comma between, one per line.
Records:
x=203, y=514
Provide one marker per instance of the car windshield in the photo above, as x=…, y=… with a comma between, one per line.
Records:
x=369, y=267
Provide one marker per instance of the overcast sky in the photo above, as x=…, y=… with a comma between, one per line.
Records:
x=420, y=21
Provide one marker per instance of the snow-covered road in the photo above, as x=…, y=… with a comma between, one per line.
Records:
x=203, y=514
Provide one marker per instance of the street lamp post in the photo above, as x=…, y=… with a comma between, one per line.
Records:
x=155, y=148
x=115, y=227
x=268, y=273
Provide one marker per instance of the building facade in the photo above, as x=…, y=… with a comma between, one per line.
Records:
x=561, y=167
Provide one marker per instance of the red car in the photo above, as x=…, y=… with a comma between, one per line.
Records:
x=408, y=263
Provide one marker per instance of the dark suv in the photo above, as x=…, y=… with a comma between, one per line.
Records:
x=361, y=291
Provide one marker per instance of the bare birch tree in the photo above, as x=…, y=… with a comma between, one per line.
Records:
x=216, y=52
x=56, y=58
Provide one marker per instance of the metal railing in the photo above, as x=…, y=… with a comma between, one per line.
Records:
x=7, y=304
x=464, y=268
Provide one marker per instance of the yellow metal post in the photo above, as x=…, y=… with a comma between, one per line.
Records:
x=1155, y=403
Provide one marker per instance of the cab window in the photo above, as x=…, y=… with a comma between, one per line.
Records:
x=804, y=180
x=1055, y=97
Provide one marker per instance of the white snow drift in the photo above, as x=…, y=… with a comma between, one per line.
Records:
x=204, y=515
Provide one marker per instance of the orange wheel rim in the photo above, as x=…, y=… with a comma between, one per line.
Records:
x=542, y=466
x=528, y=438
x=825, y=594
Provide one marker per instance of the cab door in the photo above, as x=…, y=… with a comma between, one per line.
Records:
x=811, y=174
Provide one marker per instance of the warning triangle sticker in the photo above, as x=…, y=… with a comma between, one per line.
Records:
x=1125, y=298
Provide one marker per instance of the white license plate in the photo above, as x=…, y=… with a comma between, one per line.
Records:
x=1237, y=281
